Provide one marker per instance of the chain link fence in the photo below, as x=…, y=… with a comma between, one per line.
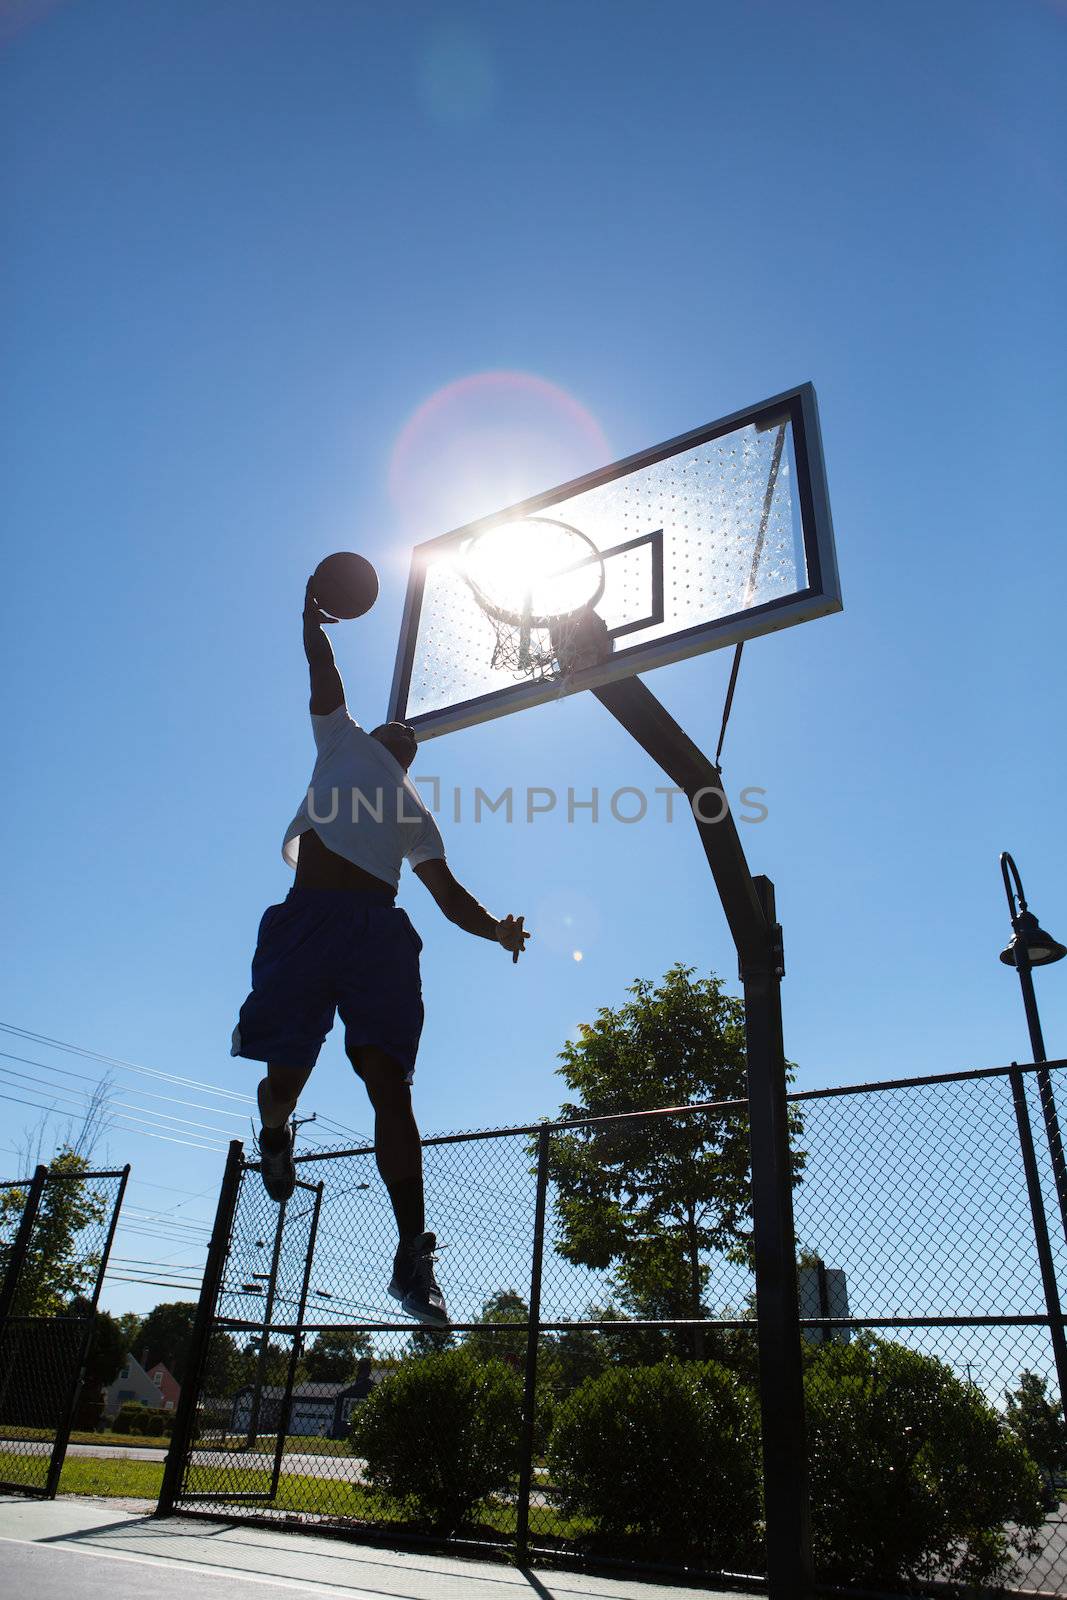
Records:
x=609, y=1411
x=56, y=1230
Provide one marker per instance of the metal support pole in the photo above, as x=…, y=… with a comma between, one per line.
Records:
x=1041, y=1239
x=264, y=1340
x=62, y=1438
x=748, y=904
x=185, y=1417
x=1044, y=1080
x=785, y=1457
x=529, y=1395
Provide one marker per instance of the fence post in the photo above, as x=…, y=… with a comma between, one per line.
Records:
x=298, y=1343
x=21, y=1243
x=1041, y=1239
x=185, y=1416
x=529, y=1393
x=62, y=1438
x=256, y=1405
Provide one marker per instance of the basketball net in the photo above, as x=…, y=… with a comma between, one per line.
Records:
x=552, y=648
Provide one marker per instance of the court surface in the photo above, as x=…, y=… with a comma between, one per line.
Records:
x=83, y=1549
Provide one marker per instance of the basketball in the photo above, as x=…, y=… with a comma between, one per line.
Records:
x=345, y=585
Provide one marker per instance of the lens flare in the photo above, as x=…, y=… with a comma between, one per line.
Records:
x=485, y=442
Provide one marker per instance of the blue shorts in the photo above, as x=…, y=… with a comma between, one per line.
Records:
x=327, y=950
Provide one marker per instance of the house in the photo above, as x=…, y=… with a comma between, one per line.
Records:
x=155, y=1388
x=320, y=1410
x=167, y=1385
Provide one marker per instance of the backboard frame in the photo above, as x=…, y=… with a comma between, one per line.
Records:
x=821, y=596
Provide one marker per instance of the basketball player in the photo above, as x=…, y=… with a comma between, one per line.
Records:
x=338, y=940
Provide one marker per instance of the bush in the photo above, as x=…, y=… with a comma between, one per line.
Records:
x=913, y=1474
x=132, y=1417
x=441, y=1435
x=127, y=1418
x=664, y=1458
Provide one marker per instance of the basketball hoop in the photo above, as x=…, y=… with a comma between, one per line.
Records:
x=538, y=582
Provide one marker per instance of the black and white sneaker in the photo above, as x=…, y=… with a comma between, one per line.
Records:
x=276, y=1162
x=414, y=1284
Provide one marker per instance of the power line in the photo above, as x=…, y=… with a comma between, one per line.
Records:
x=156, y=1119
x=147, y=1094
x=116, y=1061
x=154, y=1283
x=124, y=1127
x=146, y=1184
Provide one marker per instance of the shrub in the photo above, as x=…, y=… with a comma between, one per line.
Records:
x=127, y=1418
x=132, y=1417
x=913, y=1474
x=441, y=1435
x=664, y=1458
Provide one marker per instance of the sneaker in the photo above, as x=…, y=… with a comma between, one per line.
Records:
x=276, y=1165
x=414, y=1284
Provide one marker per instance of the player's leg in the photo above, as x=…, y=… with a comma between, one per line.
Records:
x=284, y=1021
x=398, y=1152
x=277, y=1096
x=397, y=1145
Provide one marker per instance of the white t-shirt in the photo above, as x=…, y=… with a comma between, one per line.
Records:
x=362, y=804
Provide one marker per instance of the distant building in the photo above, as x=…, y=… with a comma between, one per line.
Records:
x=167, y=1385
x=321, y=1410
x=823, y=1292
x=156, y=1388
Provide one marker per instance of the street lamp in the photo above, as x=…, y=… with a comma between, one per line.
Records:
x=1032, y=947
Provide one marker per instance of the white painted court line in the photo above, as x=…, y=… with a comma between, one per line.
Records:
x=72, y=1547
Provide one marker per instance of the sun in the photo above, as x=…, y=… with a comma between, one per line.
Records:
x=535, y=567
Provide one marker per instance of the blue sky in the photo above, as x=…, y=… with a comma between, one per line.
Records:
x=247, y=241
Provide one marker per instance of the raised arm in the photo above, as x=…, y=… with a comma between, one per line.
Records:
x=460, y=907
x=327, y=690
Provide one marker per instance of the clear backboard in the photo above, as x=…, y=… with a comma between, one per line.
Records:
x=714, y=537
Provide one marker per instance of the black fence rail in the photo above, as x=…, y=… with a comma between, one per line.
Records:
x=56, y=1230
x=597, y=1395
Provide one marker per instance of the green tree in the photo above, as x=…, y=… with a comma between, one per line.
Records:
x=165, y=1334
x=130, y=1324
x=1037, y=1422
x=568, y=1358
x=431, y=1341
x=334, y=1356
x=107, y=1352
x=651, y=1198
x=506, y=1305
x=58, y=1266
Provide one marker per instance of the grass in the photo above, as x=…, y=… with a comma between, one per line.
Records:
x=100, y=1436
x=328, y=1497
x=127, y=1480
x=294, y=1444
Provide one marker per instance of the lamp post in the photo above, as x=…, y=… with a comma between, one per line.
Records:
x=1032, y=947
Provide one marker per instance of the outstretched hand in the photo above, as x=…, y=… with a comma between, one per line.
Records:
x=314, y=615
x=512, y=935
